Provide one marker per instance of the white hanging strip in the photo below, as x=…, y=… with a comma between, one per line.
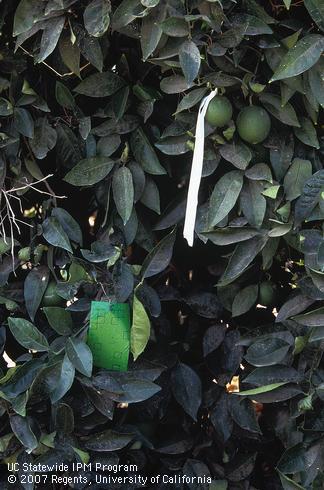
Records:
x=196, y=171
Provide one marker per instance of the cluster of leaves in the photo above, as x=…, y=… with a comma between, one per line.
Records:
x=99, y=103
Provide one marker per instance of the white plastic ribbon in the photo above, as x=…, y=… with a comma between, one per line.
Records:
x=196, y=171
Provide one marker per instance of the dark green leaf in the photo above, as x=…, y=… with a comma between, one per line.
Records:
x=213, y=338
x=224, y=196
x=100, y=84
x=27, y=14
x=108, y=145
x=267, y=351
x=299, y=172
x=126, y=12
x=96, y=17
x=22, y=378
x=159, y=258
x=21, y=427
x=54, y=234
x=89, y=171
x=307, y=132
x=69, y=225
x=175, y=27
x=90, y=48
x=253, y=203
x=300, y=57
x=316, y=11
x=204, y=304
x=70, y=53
x=44, y=138
x=27, y=334
x=123, y=192
x=244, y=414
x=135, y=390
x=64, y=96
x=191, y=99
x=123, y=281
x=65, y=381
x=222, y=419
x=250, y=25
x=309, y=197
x=244, y=300
x=69, y=148
x=80, y=355
x=285, y=113
x=59, y=319
x=316, y=81
x=293, y=306
x=138, y=179
x=6, y=108
x=150, y=196
x=50, y=37
x=268, y=375
x=313, y=318
x=34, y=288
x=151, y=31
x=23, y=122
x=236, y=153
x=293, y=460
x=108, y=440
x=144, y=153
x=186, y=388
x=173, y=145
x=174, y=84
x=242, y=257
x=227, y=236
x=189, y=57
x=259, y=171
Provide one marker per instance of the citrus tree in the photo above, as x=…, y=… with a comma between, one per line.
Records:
x=98, y=109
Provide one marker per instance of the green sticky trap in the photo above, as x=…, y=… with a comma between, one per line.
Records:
x=109, y=334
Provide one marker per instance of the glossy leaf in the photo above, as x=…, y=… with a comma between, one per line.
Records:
x=100, y=84
x=299, y=172
x=300, y=58
x=123, y=192
x=34, y=288
x=96, y=17
x=186, y=388
x=189, y=57
x=144, y=153
x=224, y=196
x=244, y=300
x=54, y=234
x=27, y=334
x=59, y=319
x=316, y=10
x=159, y=258
x=80, y=355
x=89, y=171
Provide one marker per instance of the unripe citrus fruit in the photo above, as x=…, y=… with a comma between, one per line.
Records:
x=219, y=111
x=24, y=254
x=51, y=298
x=253, y=124
x=267, y=293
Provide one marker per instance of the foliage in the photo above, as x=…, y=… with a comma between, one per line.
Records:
x=99, y=103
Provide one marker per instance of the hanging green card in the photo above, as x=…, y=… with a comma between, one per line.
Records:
x=109, y=335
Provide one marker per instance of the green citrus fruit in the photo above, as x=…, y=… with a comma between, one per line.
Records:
x=51, y=298
x=253, y=124
x=219, y=111
x=267, y=293
x=24, y=254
